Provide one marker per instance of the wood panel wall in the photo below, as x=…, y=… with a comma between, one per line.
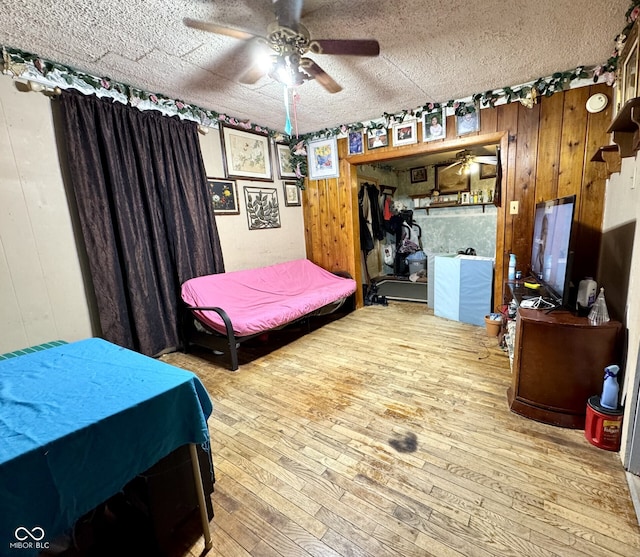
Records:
x=546, y=153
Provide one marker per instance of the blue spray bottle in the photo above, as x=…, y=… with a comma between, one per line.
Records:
x=609, y=398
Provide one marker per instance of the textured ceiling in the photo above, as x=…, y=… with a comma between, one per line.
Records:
x=429, y=51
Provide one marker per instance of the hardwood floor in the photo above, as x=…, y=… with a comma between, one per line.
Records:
x=387, y=433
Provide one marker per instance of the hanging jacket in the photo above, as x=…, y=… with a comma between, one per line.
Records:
x=375, y=212
x=366, y=238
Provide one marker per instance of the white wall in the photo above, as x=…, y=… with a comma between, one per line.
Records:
x=622, y=206
x=42, y=288
x=42, y=294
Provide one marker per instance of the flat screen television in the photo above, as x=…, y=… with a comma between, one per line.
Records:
x=551, y=254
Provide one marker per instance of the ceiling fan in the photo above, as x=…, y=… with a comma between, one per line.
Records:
x=281, y=53
x=468, y=160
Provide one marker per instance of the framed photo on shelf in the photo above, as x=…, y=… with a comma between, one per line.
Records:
x=224, y=196
x=630, y=74
x=283, y=155
x=262, y=208
x=469, y=123
x=404, y=133
x=356, y=143
x=449, y=181
x=434, y=125
x=377, y=138
x=418, y=174
x=246, y=154
x=291, y=194
x=322, y=155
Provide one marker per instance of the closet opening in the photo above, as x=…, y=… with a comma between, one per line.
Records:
x=415, y=207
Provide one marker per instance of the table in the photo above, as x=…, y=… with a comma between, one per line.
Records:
x=77, y=423
x=559, y=361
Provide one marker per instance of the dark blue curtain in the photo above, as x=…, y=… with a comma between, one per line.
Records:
x=147, y=222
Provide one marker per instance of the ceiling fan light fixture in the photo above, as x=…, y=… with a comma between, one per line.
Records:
x=286, y=70
x=288, y=41
x=266, y=61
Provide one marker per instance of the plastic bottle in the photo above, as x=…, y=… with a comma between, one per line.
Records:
x=586, y=292
x=609, y=398
x=512, y=266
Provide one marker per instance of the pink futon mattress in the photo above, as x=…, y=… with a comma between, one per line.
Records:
x=257, y=300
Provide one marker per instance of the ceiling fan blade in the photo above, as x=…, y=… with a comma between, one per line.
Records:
x=218, y=29
x=257, y=53
x=288, y=13
x=350, y=47
x=320, y=75
x=486, y=160
x=252, y=75
x=452, y=165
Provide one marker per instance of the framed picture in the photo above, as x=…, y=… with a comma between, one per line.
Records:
x=469, y=123
x=630, y=74
x=323, y=158
x=377, y=138
x=291, y=194
x=434, y=125
x=418, y=174
x=449, y=181
x=487, y=171
x=224, y=196
x=404, y=133
x=356, y=143
x=262, y=206
x=283, y=155
x=246, y=154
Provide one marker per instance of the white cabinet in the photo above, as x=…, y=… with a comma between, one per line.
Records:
x=463, y=287
x=431, y=260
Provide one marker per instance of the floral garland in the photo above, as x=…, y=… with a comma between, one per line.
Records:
x=609, y=68
x=23, y=64
x=541, y=87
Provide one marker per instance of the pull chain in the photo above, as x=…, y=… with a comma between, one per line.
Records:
x=287, y=124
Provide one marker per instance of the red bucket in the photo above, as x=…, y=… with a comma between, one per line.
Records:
x=603, y=427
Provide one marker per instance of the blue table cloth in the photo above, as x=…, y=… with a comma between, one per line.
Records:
x=79, y=421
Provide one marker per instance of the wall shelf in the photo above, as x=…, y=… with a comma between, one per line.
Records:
x=610, y=155
x=451, y=204
x=625, y=128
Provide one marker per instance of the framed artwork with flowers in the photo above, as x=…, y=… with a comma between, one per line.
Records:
x=285, y=166
x=322, y=155
x=246, y=154
x=291, y=194
x=224, y=196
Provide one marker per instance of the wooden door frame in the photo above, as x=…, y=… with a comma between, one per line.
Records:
x=349, y=173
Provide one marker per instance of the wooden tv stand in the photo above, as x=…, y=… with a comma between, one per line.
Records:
x=559, y=361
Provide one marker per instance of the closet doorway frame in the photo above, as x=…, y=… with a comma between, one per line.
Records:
x=348, y=170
